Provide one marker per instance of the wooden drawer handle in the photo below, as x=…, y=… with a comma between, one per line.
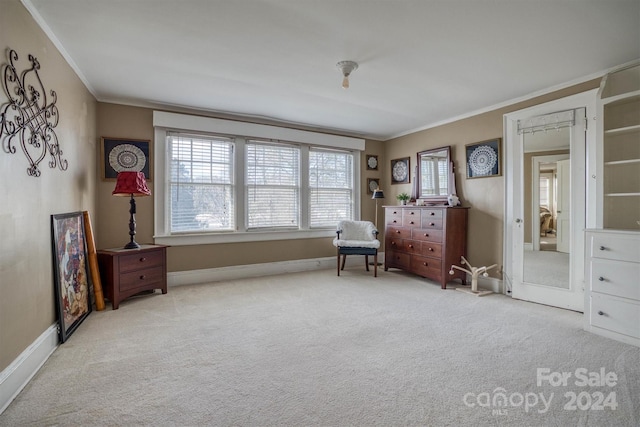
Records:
x=398, y=231
x=430, y=249
x=411, y=246
x=601, y=279
x=142, y=277
x=393, y=243
x=425, y=264
x=426, y=234
x=143, y=259
x=601, y=313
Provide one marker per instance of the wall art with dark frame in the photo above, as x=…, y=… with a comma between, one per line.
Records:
x=122, y=154
x=484, y=159
x=400, y=171
x=70, y=272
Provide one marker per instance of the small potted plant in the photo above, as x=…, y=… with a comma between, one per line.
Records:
x=402, y=198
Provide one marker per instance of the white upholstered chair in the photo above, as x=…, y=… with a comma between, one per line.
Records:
x=357, y=238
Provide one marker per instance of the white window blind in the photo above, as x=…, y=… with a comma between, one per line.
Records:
x=273, y=185
x=434, y=175
x=330, y=187
x=201, y=183
x=544, y=191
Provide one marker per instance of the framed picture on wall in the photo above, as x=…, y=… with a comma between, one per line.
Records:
x=483, y=159
x=70, y=272
x=400, y=171
x=372, y=184
x=122, y=154
x=372, y=162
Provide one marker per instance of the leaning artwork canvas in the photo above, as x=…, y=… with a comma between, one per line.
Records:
x=71, y=279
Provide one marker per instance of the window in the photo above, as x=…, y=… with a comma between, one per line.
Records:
x=201, y=183
x=273, y=185
x=330, y=187
x=544, y=192
x=219, y=181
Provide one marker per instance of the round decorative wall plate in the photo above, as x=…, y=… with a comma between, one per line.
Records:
x=482, y=160
x=127, y=158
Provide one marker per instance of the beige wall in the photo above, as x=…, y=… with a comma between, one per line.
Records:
x=26, y=281
x=485, y=196
x=134, y=122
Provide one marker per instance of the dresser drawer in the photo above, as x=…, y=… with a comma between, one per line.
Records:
x=608, y=246
x=615, y=314
x=393, y=216
x=431, y=249
x=411, y=218
x=432, y=214
x=427, y=267
x=412, y=246
x=425, y=234
x=615, y=278
x=398, y=233
x=141, y=278
x=397, y=259
x=141, y=260
x=394, y=244
x=432, y=223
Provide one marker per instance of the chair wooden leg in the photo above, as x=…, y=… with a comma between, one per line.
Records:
x=344, y=259
x=366, y=262
x=375, y=265
x=338, y=262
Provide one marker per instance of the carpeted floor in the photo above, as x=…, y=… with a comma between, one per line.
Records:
x=547, y=268
x=312, y=349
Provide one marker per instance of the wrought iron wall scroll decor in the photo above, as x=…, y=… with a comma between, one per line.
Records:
x=29, y=117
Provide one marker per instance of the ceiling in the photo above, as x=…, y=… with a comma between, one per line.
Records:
x=421, y=62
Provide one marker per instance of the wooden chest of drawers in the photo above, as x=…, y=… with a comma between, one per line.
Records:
x=426, y=240
x=612, y=305
x=126, y=272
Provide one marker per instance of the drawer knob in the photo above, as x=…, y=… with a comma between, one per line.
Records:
x=411, y=246
x=431, y=224
x=425, y=264
x=394, y=221
x=426, y=234
x=143, y=259
x=432, y=213
x=398, y=231
x=411, y=213
x=411, y=222
x=601, y=313
x=393, y=243
x=395, y=212
x=142, y=277
x=601, y=278
x=602, y=248
x=430, y=249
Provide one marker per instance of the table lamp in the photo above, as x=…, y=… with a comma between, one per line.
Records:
x=131, y=184
x=377, y=194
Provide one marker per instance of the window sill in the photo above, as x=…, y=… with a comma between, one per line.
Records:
x=253, y=236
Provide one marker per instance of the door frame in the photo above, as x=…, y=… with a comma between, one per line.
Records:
x=513, y=149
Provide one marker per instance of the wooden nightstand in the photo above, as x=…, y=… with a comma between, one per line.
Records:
x=126, y=272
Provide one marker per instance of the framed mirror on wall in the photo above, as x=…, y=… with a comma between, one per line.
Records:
x=435, y=176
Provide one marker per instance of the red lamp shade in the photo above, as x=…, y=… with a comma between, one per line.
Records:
x=131, y=184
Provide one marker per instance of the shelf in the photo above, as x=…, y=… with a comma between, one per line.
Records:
x=622, y=131
x=622, y=98
x=622, y=194
x=622, y=162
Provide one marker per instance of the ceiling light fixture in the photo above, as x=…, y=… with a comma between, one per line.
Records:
x=347, y=67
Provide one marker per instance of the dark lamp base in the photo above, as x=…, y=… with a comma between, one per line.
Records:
x=132, y=245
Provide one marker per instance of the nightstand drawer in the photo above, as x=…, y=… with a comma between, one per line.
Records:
x=141, y=278
x=141, y=260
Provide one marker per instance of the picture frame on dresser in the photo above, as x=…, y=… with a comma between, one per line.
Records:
x=484, y=159
x=70, y=272
x=124, y=154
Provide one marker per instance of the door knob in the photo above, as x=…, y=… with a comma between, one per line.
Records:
x=518, y=220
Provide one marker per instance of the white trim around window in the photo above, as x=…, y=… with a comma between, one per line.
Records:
x=170, y=122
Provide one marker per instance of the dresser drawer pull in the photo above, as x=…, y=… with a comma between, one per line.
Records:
x=398, y=231
x=432, y=213
x=395, y=222
x=395, y=212
x=431, y=224
x=601, y=278
x=143, y=259
x=411, y=246
x=425, y=264
x=411, y=222
x=602, y=248
x=426, y=234
x=411, y=213
x=430, y=249
x=142, y=277
x=601, y=313
x=393, y=243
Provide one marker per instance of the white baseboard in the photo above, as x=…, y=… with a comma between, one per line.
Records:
x=208, y=275
x=24, y=367
x=488, y=283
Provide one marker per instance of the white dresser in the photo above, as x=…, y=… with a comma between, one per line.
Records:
x=612, y=291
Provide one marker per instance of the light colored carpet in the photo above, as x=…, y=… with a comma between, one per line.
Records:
x=312, y=349
x=547, y=268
